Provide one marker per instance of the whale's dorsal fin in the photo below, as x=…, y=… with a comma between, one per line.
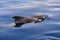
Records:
x=18, y=17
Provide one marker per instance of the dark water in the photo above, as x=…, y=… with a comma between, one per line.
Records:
x=46, y=30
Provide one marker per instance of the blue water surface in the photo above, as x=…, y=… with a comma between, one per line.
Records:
x=46, y=30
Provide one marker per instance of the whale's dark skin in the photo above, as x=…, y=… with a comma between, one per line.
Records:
x=20, y=20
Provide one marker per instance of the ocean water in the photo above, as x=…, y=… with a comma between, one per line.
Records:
x=49, y=29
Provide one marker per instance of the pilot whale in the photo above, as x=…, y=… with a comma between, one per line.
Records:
x=20, y=20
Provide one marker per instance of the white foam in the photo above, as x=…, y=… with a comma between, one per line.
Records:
x=46, y=14
x=7, y=25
